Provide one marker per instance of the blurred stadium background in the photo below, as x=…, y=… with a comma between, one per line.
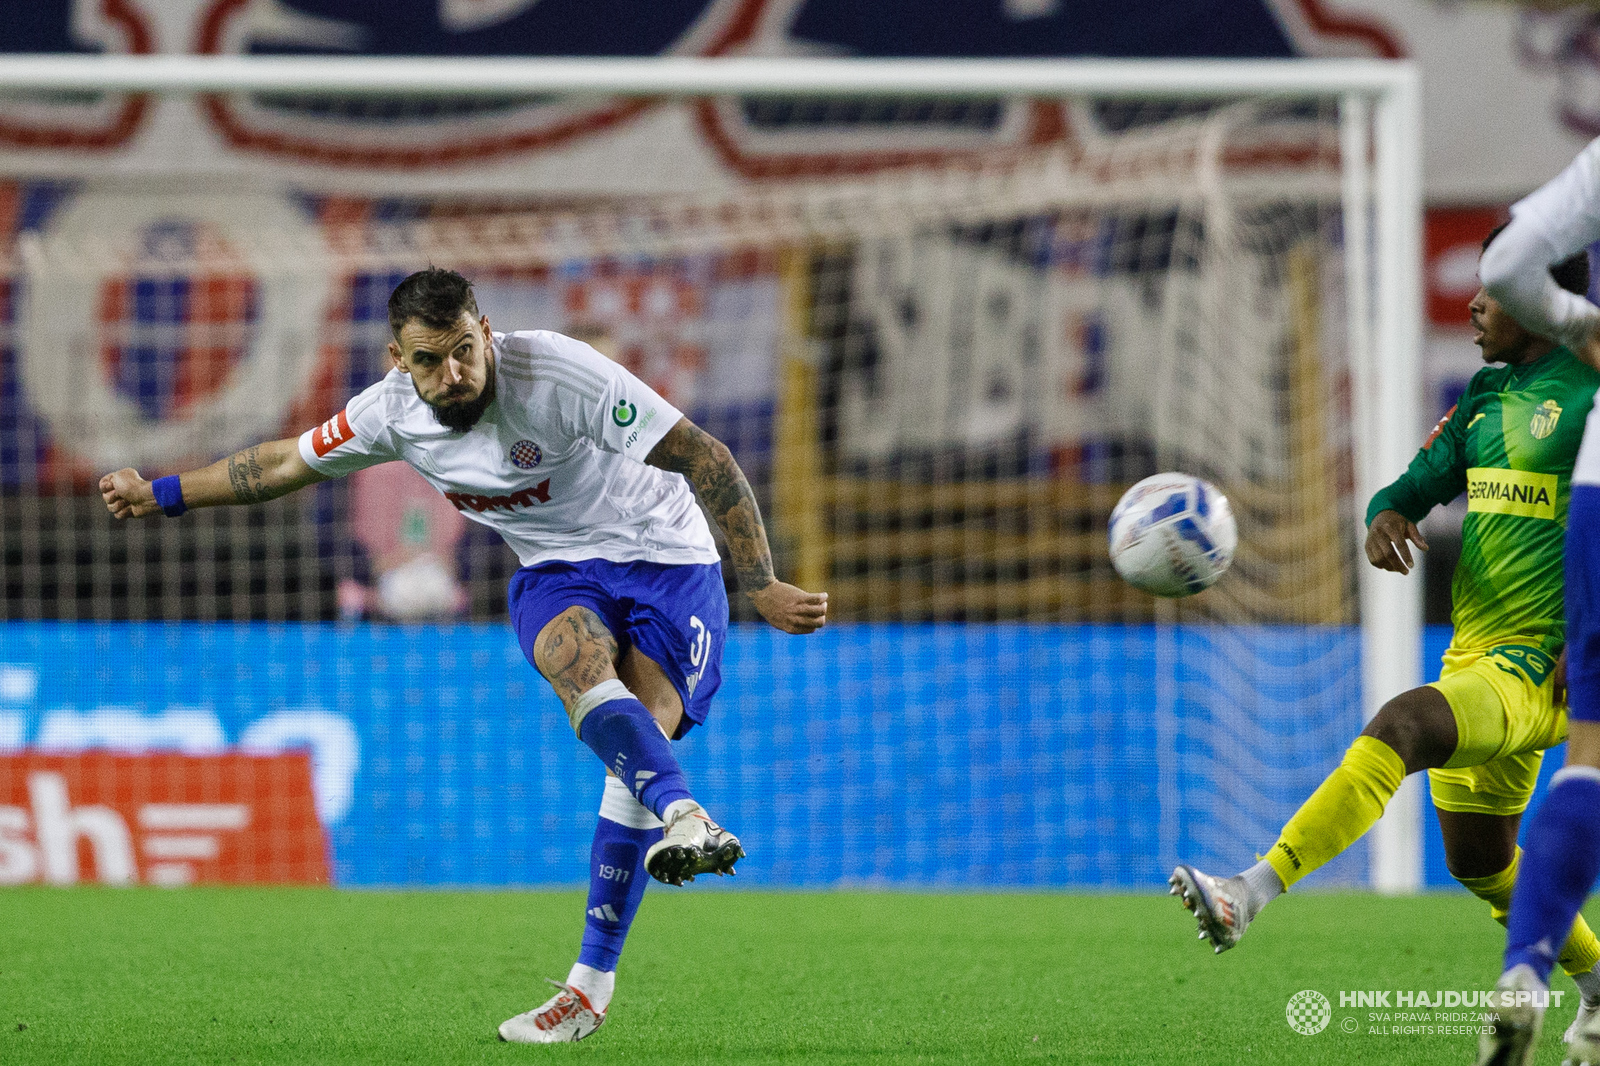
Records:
x=941, y=336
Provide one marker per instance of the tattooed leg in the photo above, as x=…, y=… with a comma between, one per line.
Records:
x=575, y=652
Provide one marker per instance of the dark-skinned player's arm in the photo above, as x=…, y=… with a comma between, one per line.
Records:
x=258, y=473
x=1437, y=475
x=721, y=487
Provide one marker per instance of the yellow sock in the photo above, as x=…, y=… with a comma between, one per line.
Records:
x=1343, y=807
x=1495, y=889
x=1582, y=950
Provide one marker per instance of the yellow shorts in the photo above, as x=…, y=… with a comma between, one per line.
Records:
x=1506, y=716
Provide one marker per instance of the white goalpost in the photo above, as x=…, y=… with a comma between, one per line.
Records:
x=1291, y=188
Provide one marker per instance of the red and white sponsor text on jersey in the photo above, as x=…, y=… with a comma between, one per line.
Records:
x=332, y=433
x=467, y=501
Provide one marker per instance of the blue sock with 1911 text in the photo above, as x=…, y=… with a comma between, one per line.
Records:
x=617, y=877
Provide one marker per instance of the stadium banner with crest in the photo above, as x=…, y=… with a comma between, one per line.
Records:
x=1509, y=87
x=186, y=334
x=205, y=321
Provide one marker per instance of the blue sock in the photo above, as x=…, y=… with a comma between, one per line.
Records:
x=1560, y=861
x=620, y=730
x=617, y=877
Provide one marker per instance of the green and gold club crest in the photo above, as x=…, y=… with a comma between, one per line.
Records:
x=1545, y=417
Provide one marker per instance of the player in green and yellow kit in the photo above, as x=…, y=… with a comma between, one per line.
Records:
x=1480, y=730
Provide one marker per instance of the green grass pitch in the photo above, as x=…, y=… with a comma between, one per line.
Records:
x=227, y=976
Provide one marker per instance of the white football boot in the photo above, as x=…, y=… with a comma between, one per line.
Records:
x=1583, y=1037
x=692, y=844
x=1220, y=904
x=564, y=1018
x=1514, y=1036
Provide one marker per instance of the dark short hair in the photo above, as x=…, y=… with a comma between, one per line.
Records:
x=435, y=297
x=1572, y=273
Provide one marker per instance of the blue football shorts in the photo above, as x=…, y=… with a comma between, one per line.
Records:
x=1583, y=604
x=677, y=615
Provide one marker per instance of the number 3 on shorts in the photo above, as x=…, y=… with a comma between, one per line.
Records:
x=699, y=651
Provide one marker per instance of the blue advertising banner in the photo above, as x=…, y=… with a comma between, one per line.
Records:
x=968, y=756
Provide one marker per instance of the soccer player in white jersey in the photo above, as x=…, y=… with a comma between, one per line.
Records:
x=1562, y=851
x=587, y=474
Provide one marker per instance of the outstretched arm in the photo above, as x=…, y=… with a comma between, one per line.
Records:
x=721, y=486
x=1558, y=219
x=259, y=473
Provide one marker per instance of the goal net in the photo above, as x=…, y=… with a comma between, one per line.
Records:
x=941, y=335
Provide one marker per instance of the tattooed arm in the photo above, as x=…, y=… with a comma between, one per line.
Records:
x=721, y=486
x=258, y=473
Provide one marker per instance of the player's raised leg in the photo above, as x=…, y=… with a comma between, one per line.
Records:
x=1413, y=731
x=577, y=653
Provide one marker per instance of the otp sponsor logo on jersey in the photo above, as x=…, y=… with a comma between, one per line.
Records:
x=332, y=433
x=161, y=819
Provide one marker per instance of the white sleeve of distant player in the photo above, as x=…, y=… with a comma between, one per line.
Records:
x=629, y=416
x=1558, y=219
x=351, y=440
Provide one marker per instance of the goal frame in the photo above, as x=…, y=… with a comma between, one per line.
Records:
x=1379, y=103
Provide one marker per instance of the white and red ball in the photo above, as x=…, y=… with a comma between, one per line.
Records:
x=1172, y=535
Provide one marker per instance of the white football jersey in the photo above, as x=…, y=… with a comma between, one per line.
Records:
x=1558, y=219
x=556, y=464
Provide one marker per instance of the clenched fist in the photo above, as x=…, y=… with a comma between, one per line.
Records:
x=128, y=495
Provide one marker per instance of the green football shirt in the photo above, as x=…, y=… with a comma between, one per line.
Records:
x=1510, y=445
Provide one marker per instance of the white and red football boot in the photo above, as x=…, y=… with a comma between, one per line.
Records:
x=1221, y=904
x=566, y=1017
x=692, y=844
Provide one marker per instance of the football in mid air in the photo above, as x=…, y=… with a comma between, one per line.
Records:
x=1172, y=535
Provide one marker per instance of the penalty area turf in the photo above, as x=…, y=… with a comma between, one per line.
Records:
x=266, y=975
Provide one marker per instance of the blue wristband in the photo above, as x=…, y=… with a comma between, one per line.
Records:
x=169, y=494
